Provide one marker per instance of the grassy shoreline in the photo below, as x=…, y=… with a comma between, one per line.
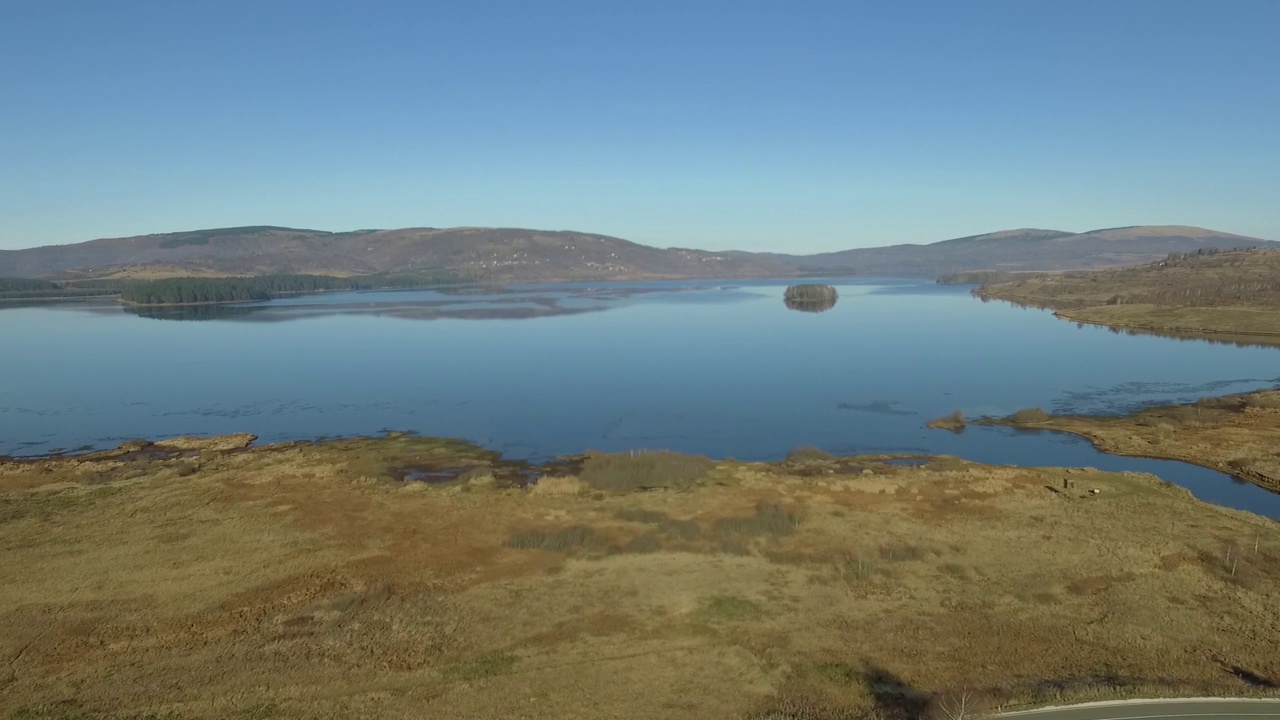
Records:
x=1233, y=434
x=403, y=576
x=1213, y=295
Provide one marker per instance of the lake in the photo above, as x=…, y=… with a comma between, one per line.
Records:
x=720, y=368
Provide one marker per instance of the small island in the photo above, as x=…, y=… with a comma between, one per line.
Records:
x=810, y=297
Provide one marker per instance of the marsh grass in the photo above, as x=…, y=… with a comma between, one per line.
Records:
x=681, y=530
x=648, y=542
x=568, y=540
x=644, y=471
x=770, y=520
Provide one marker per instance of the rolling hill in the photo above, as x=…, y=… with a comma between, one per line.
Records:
x=1026, y=249
x=490, y=253
x=512, y=254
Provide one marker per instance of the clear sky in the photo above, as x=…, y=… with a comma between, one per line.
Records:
x=793, y=126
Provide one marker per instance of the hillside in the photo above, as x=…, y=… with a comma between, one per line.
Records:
x=1233, y=292
x=489, y=253
x=1026, y=249
x=512, y=254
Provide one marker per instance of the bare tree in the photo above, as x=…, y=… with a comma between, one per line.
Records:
x=962, y=704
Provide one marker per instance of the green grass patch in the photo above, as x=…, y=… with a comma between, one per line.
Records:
x=838, y=672
x=727, y=609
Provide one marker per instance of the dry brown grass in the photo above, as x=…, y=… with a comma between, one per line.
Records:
x=308, y=580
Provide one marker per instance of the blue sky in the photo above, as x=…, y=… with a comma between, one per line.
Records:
x=797, y=126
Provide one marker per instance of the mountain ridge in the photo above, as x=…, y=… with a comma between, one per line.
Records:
x=519, y=254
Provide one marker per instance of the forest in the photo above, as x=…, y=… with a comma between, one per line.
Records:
x=27, y=289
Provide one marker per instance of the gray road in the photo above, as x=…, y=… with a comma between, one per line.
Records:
x=1157, y=710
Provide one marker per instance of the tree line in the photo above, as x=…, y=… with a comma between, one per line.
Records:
x=27, y=289
x=193, y=290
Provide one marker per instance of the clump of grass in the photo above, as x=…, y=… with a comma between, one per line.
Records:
x=568, y=540
x=644, y=471
x=1030, y=415
x=769, y=520
x=485, y=666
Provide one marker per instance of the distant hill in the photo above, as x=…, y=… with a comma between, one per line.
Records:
x=1205, y=278
x=512, y=254
x=1025, y=249
x=507, y=254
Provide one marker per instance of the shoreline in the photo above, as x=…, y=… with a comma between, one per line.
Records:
x=1230, y=434
x=432, y=563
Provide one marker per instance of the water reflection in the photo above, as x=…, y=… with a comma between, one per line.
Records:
x=194, y=312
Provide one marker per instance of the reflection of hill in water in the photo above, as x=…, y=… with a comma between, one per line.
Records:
x=194, y=312
x=810, y=298
x=408, y=311
x=471, y=303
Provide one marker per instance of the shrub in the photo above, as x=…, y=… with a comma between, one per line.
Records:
x=644, y=471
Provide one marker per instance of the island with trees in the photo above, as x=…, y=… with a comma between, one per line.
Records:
x=810, y=297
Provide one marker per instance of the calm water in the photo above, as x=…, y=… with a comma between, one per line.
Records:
x=723, y=369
